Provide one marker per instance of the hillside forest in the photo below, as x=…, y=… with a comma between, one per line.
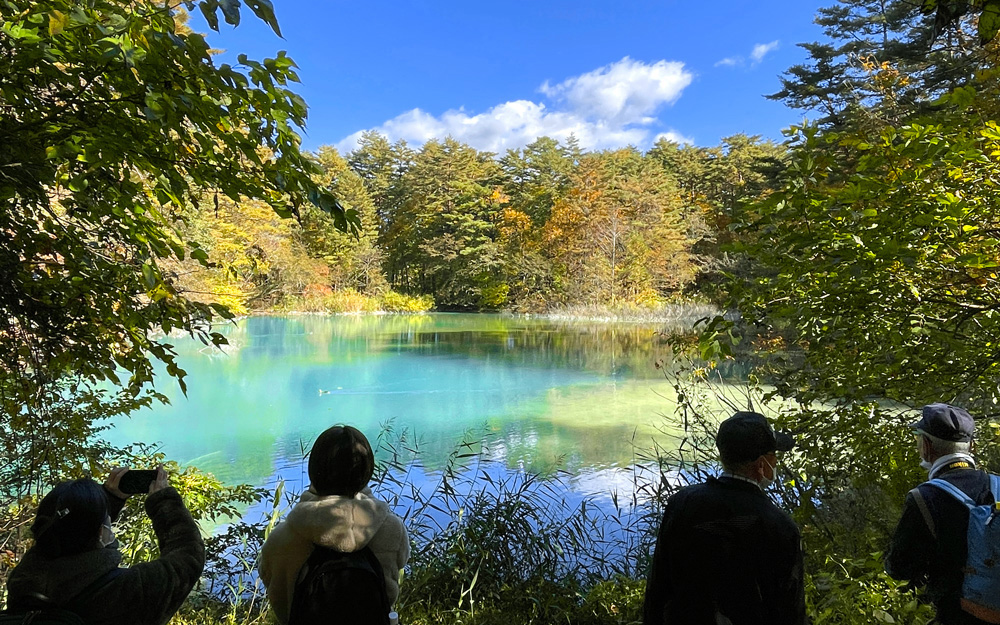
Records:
x=536, y=229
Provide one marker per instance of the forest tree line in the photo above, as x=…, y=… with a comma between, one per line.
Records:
x=545, y=226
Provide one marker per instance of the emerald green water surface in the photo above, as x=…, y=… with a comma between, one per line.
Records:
x=548, y=394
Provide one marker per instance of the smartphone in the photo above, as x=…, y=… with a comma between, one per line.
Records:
x=136, y=481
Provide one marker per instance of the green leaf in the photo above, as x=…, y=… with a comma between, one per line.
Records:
x=28, y=36
x=177, y=249
x=208, y=8
x=265, y=11
x=231, y=9
x=58, y=21
x=149, y=275
x=989, y=21
x=159, y=293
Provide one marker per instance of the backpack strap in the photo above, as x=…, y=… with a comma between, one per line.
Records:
x=377, y=567
x=918, y=499
x=954, y=491
x=995, y=488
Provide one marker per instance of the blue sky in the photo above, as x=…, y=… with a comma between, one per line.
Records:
x=498, y=74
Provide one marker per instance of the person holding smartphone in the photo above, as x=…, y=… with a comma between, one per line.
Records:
x=74, y=564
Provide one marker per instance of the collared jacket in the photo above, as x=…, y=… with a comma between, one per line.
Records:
x=145, y=594
x=345, y=524
x=937, y=559
x=725, y=554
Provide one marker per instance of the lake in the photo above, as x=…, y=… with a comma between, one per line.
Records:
x=578, y=396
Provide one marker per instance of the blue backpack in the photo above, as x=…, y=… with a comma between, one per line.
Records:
x=981, y=585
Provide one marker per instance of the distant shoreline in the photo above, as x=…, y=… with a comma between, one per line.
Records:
x=670, y=313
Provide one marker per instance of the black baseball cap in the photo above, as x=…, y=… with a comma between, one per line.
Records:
x=746, y=436
x=949, y=423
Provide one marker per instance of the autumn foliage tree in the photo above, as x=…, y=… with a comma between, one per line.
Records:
x=617, y=235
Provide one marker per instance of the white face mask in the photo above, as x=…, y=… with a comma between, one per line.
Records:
x=765, y=482
x=107, y=534
x=924, y=464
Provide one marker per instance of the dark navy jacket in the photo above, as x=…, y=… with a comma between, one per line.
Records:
x=725, y=550
x=937, y=561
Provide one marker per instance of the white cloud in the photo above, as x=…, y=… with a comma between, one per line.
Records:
x=676, y=137
x=612, y=106
x=624, y=92
x=761, y=50
x=756, y=55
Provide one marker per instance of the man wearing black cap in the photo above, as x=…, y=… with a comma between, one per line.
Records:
x=929, y=544
x=725, y=554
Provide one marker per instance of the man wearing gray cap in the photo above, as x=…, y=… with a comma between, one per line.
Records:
x=725, y=554
x=930, y=545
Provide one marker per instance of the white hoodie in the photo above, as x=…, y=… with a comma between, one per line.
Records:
x=340, y=523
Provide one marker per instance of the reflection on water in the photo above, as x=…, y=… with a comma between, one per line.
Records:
x=573, y=395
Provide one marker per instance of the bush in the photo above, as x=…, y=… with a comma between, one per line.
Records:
x=392, y=301
x=845, y=591
x=349, y=301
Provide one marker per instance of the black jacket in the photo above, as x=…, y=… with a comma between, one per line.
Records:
x=725, y=549
x=146, y=594
x=921, y=558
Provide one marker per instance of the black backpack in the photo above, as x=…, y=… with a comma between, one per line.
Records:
x=44, y=611
x=338, y=587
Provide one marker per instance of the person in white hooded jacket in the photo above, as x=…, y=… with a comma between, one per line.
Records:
x=337, y=511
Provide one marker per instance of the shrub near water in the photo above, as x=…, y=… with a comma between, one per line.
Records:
x=325, y=300
x=391, y=301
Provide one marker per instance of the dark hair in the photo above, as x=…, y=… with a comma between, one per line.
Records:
x=69, y=518
x=341, y=462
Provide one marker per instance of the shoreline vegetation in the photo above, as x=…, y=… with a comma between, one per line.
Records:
x=684, y=313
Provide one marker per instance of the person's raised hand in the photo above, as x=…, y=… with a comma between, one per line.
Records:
x=115, y=478
x=160, y=482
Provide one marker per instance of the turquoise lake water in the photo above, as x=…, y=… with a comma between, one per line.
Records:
x=545, y=394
